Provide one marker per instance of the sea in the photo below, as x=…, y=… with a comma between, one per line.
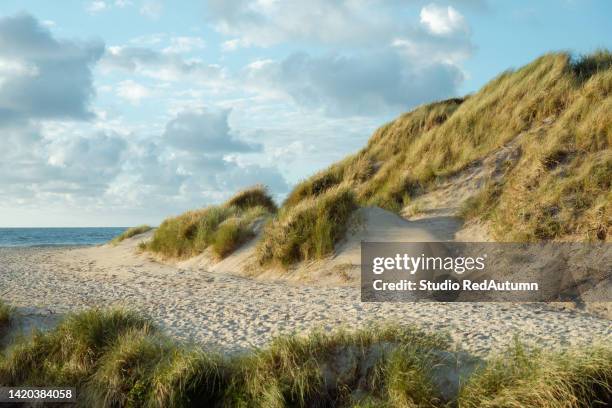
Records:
x=41, y=237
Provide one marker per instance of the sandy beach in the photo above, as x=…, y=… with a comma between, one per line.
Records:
x=232, y=313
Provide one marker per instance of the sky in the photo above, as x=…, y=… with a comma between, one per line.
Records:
x=123, y=112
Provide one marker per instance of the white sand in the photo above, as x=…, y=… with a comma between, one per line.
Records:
x=233, y=313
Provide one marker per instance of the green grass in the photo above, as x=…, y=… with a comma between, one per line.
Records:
x=523, y=378
x=560, y=187
x=256, y=196
x=117, y=359
x=308, y=230
x=6, y=315
x=223, y=228
x=130, y=232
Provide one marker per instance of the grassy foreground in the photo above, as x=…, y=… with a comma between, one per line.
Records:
x=223, y=227
x=116, y=358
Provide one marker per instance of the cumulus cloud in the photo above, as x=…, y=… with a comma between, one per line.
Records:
x=97, y=6
x=133, y=92
x=442, y=20
x=74, y=165
x=53, y=153
x=338, y=23
x=183, y=44
x=167, y=66
x=152, y=9
x=265, y=23
x=204, y=131
x=41, y=77
x=361, y=84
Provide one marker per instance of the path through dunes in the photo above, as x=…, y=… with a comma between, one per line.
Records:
x=233, y=313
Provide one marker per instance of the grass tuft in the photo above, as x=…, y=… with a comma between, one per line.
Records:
x=6, y=317
x=309, y=230
x=130, y=232
x=256, y=196
x=523, y=378
x=224, y=228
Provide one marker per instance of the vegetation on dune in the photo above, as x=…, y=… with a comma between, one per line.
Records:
x=116, y=358
x=223, y=228
x=6, y=315
x=522, y=378
x=555, y=112
x=308, y=230
x=558, y=110
x=130, y=232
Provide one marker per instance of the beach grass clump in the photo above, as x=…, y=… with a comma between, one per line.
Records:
x=70, y=353
x=339, y=369
x=577, y=378
x=6, y=317
x=255, y=196
x=223, y=228
x=130, y=232
x=309, y=230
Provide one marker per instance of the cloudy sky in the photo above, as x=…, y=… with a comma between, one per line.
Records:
x=121, y=112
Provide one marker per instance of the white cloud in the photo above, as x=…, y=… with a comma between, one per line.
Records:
x=42, y=77
x=97, y=6
x=184, y=44
x=123, y=3
x=152, y=9
x=265, y=23
x=204, y=131
x=364, y=84
x=159, y=65
x=442, y=20
x=133, y=92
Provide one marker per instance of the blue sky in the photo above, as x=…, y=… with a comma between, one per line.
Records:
x=121, y=112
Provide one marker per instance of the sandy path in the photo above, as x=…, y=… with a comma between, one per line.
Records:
x=233, y=313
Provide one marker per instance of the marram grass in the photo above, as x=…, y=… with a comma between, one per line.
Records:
x=129, y=233
x=117, y=359
x=223, y=228
x=557, y=188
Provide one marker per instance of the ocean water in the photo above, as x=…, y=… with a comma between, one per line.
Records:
x=30, y=237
